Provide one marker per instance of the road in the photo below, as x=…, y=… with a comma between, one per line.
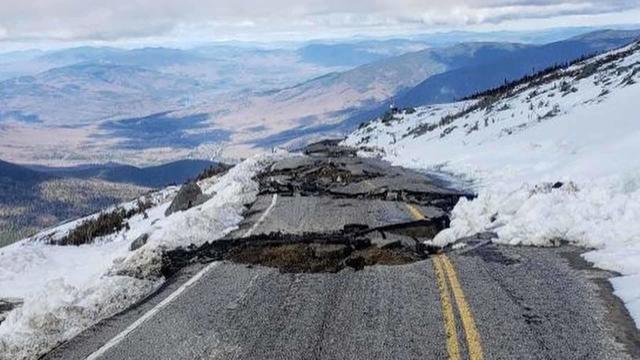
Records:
x=481, y=301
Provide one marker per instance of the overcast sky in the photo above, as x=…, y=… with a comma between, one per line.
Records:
x=38, y=21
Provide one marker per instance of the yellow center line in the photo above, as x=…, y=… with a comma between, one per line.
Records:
x=468, y=323
x=453, y=347
x=442, y=266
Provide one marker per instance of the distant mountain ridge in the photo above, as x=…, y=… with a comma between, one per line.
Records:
x=31, y=200
x=448, y=73
x=458, y=83
x=33, y=197
x=175, y=172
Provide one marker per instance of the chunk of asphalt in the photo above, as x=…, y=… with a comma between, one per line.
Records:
x=355, y=228
x=357, y=263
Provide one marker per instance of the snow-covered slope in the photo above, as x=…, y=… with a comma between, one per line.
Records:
x=66, y=289
x=552, y=157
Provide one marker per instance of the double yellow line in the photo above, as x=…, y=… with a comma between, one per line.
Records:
x=448, y=283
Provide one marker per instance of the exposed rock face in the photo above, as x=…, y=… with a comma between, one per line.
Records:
x=189, y=196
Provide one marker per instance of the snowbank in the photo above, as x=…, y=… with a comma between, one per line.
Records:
x=602, y=215
x=67, y=288
x=578, y=132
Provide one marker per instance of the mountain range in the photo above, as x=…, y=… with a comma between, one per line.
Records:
x=155, y=105
x=466, y=80
x=34, y=197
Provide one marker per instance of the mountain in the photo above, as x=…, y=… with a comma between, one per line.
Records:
x=176, y=172
x=573, y=122
x=336, y=103
x=33, y=197
x=31, y=200
x=89, y=91
x=243, y=100
x=316, y=107
x=81, y=54
x=16, y=173
x=464, y=81
x=357, y=53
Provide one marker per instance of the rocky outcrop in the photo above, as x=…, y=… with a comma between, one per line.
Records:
x=190, y=195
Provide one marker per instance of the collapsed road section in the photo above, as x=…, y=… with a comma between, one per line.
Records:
x=355, y=246
x=330, y=172
x=322, y=173
x=329, y=263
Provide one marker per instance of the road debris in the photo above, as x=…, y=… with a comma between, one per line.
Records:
x=355, y=247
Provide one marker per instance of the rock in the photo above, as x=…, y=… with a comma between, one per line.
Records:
x=355, y=228
x=357, y=263
x=139, y=242
x=7, y=305
x=189, y=196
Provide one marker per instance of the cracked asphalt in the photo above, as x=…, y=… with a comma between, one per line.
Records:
x=482, y=301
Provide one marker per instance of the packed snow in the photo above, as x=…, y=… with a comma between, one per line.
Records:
x=554, y=159
x=66, y=289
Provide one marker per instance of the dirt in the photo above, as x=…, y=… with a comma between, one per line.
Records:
x=330, y=252
x=314, y=258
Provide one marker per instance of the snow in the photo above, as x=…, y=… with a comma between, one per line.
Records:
x=69, y=288
x=585, y=140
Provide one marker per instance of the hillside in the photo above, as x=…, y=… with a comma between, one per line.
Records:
x=553, y=158
x=524, y=114
x=53, y=97
x=335, y=103
x=464, y=81
x=32, y=200
x=175, y=172
x=317, y=107
x=155, y=105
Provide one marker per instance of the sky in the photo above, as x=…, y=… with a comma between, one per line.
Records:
x=122, y=21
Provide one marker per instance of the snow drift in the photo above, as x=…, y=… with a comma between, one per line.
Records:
x=553, y=158
x=66, y=289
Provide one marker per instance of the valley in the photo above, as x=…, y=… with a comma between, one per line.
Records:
x=441, y=195
x=150, y=106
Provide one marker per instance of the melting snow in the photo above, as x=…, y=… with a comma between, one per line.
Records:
x=69, y=288
x=581, y=131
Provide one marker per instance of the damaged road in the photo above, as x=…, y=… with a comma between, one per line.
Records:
x=330, y=263
x=355, y=247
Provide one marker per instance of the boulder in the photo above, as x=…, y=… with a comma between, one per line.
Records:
x=190, y=195
x=139, y=242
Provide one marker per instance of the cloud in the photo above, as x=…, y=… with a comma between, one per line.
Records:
x=75, y=20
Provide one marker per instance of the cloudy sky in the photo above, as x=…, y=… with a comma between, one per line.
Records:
x=25, y=21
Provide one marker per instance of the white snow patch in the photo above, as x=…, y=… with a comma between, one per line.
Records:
x=69, y=288
x=583, y=132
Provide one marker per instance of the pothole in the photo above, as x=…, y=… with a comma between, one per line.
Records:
x=314, y=257
x=356, y=247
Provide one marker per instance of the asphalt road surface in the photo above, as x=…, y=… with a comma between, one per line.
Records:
x=481, y=301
